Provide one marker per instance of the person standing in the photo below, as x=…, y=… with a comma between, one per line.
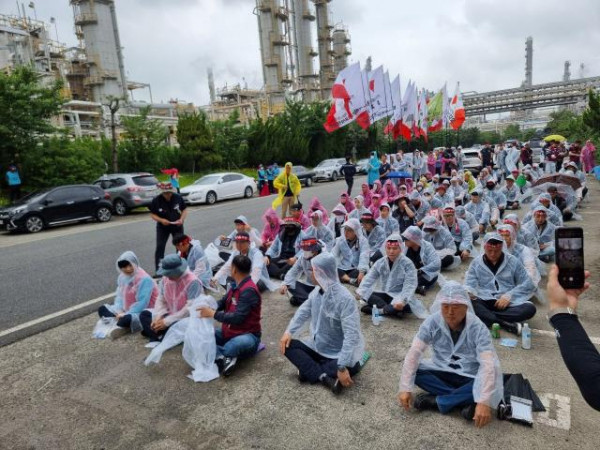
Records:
x=169, y=212
x=485, y=154
x=14, y=183
x=588, y=157
x=174, y=179
x=373, y=169
x=289, y=188
x=270, y=178
x=384, y=169
x=262, y=178
x=348, y=170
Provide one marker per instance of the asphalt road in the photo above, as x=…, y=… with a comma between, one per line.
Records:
x=47, y=272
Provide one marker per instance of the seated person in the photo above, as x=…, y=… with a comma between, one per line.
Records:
x=511, y=192
x=405, y=213
x=334, y=350
x=271, y=228
x=297, y=213
x=374, y=234
x=240, y=224
x=177, y=287
x=391, y=283
x=351, y=252
x=480, y=210
x=499, y=201
x=320, y=231
x=283, y=254
x=524, y=237
x=499, y=286
x=442, y=241
x=375, y=204
x=441, y=193
x=460, y=232
x=239, y=313
x=554, y=214
x=423, y=256
x=316, y=205
x=386, y=221
x=259, y=273
x=543, y=231
x=464, y=371
x=456, y=191
x=337, y=219
x=365, y=195
x=136, y=291
x=346, y=202
x=300, y=290
x=465, y=215
x=191, y=250
x=524, y=254
x=421, y=206
x=560, y=203
x=359, y=207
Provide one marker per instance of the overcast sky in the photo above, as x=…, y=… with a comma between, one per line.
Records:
x=481, y=43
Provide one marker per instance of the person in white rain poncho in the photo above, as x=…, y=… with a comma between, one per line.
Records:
x=480, y=210
x=391, y=283
x=442, y=241
x=135, y=292
x=423, y=256
x=554, y=214
x=320, y=231
x=374, y=234
x=524, y=236
x=442, y=194
x=336, y=220
x=240, y=224
x=300, y=290
x=497, y=196
x=460, y=231
x=284, y=251
x=464, y=371
x=193, y=252
x=332, y=352
x=543, y=231
x=511, y=193
x=500, y=287
x=259, y=272
x=456, y=190
x=389, y=224
x=351, y=252
x=421, y=205
x=360, y=209
x=463, y=214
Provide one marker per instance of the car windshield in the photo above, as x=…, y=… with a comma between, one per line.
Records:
x=327, y=162
x=145, y=180
x=34, y=196
x=209, y=179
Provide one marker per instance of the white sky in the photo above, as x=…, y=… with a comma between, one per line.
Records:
x=481, y=43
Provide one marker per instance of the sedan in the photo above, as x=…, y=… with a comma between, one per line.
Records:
x=57, y=206
x=219, y=186
x=304, y=175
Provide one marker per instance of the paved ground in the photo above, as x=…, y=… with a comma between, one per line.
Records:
x=64, y=390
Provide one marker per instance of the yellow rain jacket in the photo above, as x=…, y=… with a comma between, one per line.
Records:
x=281, y=182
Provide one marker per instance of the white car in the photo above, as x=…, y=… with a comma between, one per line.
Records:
x=329, y=169
x=219, y=186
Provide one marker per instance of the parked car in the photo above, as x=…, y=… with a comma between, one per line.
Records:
x=329, y=169
x=471, y=160
x=304, y=175
x=537, y=145
x=57, y=206
x=219, y=186
x=129, y=190
x=361, y=166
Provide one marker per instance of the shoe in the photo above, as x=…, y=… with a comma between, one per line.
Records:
x=353, y=281
x=389, y=310
x=362, y=303
x=514, y=328
x=367, y=309
x=425, y=402
x=220, y=362
x=333, y=384
x=301, y=378
x=118, y=332
x=421, y=290
x=294, y=301
x=468, y=412
x=228, y=366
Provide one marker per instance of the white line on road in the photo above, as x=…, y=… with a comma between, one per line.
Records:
x=558, y=411
x=595, y=340
x=39, y=320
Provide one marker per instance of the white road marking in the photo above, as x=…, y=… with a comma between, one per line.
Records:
x=594, y=340
x=54, y=315
x=558, y=411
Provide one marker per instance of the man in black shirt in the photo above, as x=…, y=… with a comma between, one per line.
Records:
x=485, y=154
x=169, y=212
x=348, y=170
x=384, y=169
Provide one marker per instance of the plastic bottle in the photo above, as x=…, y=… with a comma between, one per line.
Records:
x=526, y=337
x=375, y=316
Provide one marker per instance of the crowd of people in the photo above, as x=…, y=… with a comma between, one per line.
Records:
x=378, y=252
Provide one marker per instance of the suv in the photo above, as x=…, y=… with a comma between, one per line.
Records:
x=471, y=160
x=329, y=169
x=57, y=206
x=129, y=190
x=304, y=175
x=537, y=146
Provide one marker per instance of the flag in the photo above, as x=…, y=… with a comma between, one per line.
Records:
x=409, y=111
x=364, y=117
x=348, y=98
x=377, y=94
x=457, y=117
x=436, y=110
x=423, y=114
x=389, y=101
x=394, y=124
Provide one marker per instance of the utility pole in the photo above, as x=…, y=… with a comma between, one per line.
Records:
x=113, y=106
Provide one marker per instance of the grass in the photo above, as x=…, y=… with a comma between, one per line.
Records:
x=186, y=178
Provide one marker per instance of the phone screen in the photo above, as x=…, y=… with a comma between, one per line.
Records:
x=569, y=257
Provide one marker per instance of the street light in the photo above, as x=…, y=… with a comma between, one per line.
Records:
x=32, y=6
x=53, y=21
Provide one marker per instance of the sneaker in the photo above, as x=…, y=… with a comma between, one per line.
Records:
x=421, y=290
x=220, y=362
x=425, y=402
x=301, y=378
x=294, y=301
x=228, y=366
x=367, y=309
x=118, y=332
x=468, y=412
x=514, y=328
x=333, y=384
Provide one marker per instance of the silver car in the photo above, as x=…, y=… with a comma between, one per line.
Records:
x=129, y=190
x=329, y=169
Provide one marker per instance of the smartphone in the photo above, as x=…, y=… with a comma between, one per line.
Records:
x=569, y=257
x=225, y=242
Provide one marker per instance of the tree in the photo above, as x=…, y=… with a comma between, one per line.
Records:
x=591, y=115
x=26, y=106
x=113, y=106
x=512, y=131
x=195, y=138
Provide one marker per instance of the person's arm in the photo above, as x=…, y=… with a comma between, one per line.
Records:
x=225, y=269
x=248, y=299
x=302, y=315
x=350, y=321
x=363, y=260
x=159, y=219
x=160, y=306
x=409, y=286
x=194, y=290
x=466, y=242
x=142, y=296
x=365, y=289
x=293, y=274
x=411, y=363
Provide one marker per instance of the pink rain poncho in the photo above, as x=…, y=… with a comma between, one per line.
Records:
x=377, y=189
x=366, y=195
x=375, y=204
x=316, y=205
x=588, y=157
x=272, y=226
x=389, y=190
x=347, y=202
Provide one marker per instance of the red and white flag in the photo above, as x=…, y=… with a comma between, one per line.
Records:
x=364, y=117
x=457, y=109
x=348, y=98
x=394, y=124
x=377, y=94
x=409, y=111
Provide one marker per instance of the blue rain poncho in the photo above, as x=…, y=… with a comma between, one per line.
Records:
x=423, y=208
x=473, y=355
x=445, y=198
x=373, y=169
x=510, y=280
x=497, y=196
x=399, y=282
x=300, y=271
x=375, y=238
x=480, y=210
x=321, y=232
x=198, y=262
x=432, y=263
x=355, y=257
x=255, y=239
x=258, y=273
x=441, y=239
x=333, y=316
x=554, y=214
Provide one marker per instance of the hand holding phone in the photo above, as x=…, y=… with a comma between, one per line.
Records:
x=569, y=257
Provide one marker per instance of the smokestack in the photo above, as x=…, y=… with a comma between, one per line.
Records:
x=528, y=62
x=211, y=84
x=567, y=72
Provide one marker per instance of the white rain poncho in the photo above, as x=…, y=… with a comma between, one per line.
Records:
x=333, y=316
x=255, y=239
x=445, y=198
x=554, y=214
x=510, y=280
x=375, y=238
x=355, y=257
x=300, y=271
x=498, y=197
x=462, y=213
x=544, y=234
x=423, y=208
x=513, y=155
x=441, y=239
x=432, y=263
x=389, y=225
x=512, y=194
x=198, y=262
x=321, y=232
x=481, y=210
x=524, y=254
x=337, y=218
x=472, y=356
x=360, y=210
x=399, y=282
x=258, y=273
x=524, y=236
x=460, y=231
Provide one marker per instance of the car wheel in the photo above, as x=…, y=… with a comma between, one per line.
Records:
x=33, y=224
x=309, y=182
x=120, y=207
x=334, y=176
x=211, y=198
x=248, y=192
x=103, y=214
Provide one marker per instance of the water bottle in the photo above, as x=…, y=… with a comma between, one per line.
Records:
x=526, y=337
x=375, y=316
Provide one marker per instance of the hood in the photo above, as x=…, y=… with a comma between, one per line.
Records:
x=130, y=257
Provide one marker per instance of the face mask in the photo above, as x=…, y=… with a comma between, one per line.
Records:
x=339, y=219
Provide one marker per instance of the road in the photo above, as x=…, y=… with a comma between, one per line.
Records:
x=47, y=272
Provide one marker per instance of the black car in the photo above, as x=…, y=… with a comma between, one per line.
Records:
x=57, y=206
x=304, y=175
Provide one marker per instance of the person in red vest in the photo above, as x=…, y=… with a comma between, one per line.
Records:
x=239, y=312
